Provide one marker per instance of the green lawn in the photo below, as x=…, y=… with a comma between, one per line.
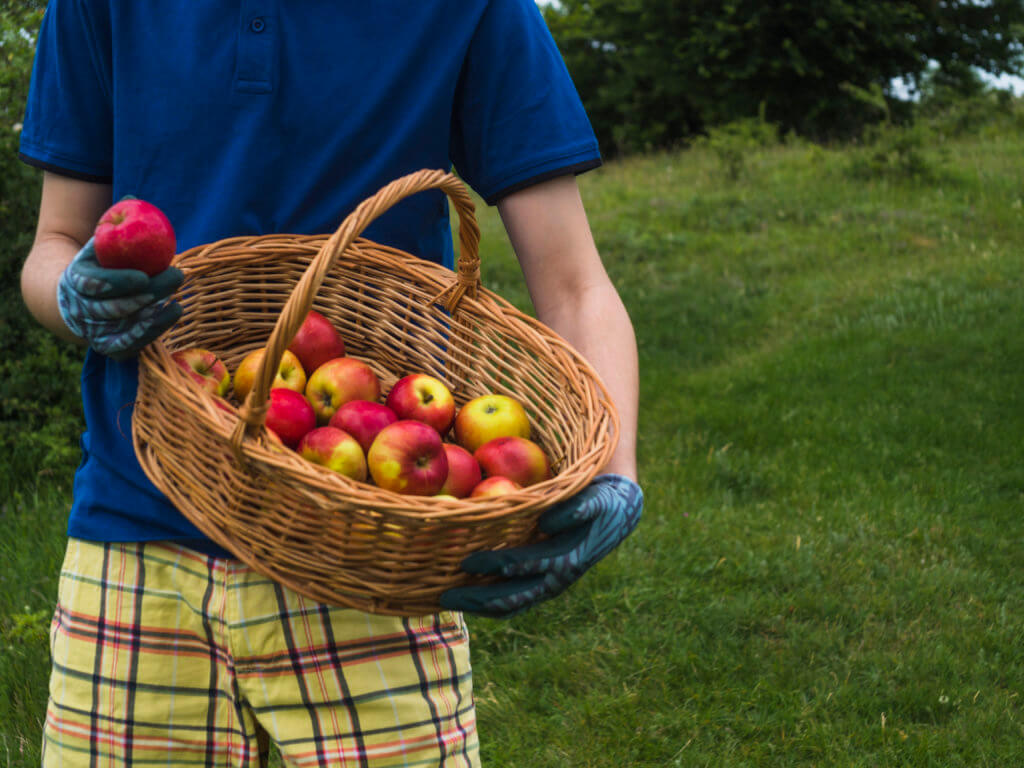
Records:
x=830, y=568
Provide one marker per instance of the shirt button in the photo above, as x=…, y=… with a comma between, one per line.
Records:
x=257, y=25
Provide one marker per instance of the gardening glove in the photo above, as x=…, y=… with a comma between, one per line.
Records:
x=118, y=311
x=581, y=531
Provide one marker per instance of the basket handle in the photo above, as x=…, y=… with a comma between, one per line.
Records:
x=467, y=279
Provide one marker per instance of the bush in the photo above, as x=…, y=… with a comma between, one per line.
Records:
x=40, y=407
x=736, y=142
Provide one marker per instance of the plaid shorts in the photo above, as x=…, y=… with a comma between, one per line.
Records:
x=162, y=655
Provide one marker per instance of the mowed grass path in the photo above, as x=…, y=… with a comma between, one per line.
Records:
x=830, y=569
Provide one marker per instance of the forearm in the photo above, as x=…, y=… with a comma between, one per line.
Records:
x=598, y=327
x=573, y=295
x=68, y=212
x=47, y=260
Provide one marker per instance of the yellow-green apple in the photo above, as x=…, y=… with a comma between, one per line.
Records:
x=289, y=415
x=316, y=342
x=408, y=457
x=516, y=458
x=495, y=486
x=335, y=449
x=463, y=471
x=340, y=381
x=487, y=417
x=290, y=373
x=134, y=234
x=204, y=368
x=363, y=419
x=422, y=397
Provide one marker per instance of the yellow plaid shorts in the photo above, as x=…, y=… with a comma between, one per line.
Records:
x=162, y=655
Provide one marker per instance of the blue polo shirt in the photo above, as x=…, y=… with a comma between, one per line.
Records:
x=265, y=116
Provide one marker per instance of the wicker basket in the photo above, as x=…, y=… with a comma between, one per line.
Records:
x=327, y=537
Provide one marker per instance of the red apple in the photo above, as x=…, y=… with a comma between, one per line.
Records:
x=487, y=417
x=495, y=486
x=408, y=457
x=289, y=415
x=204, y=368
x=516, y=458
x=363, y=419
x=464, y=472
x=335, y=449
x=316, y=342
x=134, y=234
x=290, y=374
x=422, y=397
x=340, y=381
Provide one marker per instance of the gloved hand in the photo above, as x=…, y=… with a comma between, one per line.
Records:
x=118, y=311
x=581, y=531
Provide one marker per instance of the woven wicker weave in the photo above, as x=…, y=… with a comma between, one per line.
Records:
x=327, y=537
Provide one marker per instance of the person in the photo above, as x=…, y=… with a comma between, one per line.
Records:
x=261, y=117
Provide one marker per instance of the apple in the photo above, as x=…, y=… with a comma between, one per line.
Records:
x=134, y=234
x=316, y=342
x=289, y=415
x=204, y=368
x=516, y=458
x=290, y=373
x=335, y=449
x=464, y=472
x=363, y=419
x=422, y=397
x=340, y=381
x=495, y=486
x=408, y=457
x=487, y=417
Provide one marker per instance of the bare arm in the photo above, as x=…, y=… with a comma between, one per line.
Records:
x=573, y=295
x=68, y=212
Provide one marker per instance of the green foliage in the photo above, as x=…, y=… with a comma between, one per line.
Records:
x=966, y=106
x=735, y=143
x=897, y=153
x=40, y=410
x=25, y=627
x=653, y=73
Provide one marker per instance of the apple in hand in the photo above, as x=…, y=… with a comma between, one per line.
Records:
x=464, y=472
x=335, y=449
x=408, y=457
x=134, y=234
x=363, y=419
x=495, y=486
x=316, y=342
x=487, y=417
x=422, y=397
x=289, y=415
x=339, y=381
x=290, y=374
x=516, y=458
x=204, y=368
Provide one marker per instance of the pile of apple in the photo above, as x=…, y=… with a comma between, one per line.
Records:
x=327, y=406
x=411, y=440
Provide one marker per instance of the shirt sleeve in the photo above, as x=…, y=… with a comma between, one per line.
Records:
x=68, y=125
x=518, y=118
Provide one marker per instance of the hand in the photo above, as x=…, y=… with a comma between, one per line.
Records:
x=118, y=311
x=581, y=531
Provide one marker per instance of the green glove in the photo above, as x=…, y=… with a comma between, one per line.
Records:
x=581, y=530
x=118, y=311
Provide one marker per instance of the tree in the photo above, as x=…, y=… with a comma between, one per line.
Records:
x=655, y=72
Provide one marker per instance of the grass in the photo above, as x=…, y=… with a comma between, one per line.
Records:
x=829, y=569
